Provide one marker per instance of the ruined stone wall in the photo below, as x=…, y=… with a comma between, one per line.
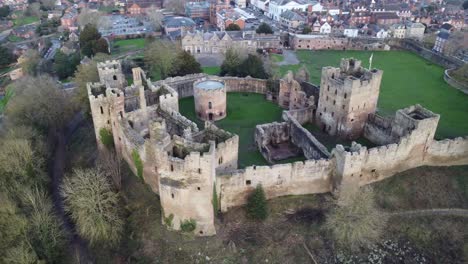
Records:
x=303, y=116
x=291, y=95
x=271, y=134
x=312, y=176
x=177, y=123
x=248, y=85
x=302, y=138
x=448, y=152
x=183, y=85
x=378, y=130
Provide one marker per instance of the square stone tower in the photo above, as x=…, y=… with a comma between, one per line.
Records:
x=110, y=74
x=347, y=96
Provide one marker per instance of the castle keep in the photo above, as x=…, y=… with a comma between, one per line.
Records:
x=189, y=166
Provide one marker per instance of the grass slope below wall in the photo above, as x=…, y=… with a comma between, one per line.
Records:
x=408, y=79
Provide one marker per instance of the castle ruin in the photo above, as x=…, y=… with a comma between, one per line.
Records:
x=189, y=166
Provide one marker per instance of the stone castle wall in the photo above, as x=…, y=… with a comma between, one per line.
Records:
x=312, y=176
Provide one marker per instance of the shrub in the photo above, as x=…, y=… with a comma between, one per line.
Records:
x=188, y=225
x=215, y=201
x=106, y=138
x=138, y=163
x=168, y=220
x=257, y=205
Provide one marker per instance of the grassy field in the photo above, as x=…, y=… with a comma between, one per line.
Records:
x=244, y=112
x=214, y=70
x=408, y=79
x=13, y=38
x=276, y=57
x=126, y=45
x=24, y=20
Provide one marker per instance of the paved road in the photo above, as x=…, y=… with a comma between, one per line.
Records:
x=290, y=58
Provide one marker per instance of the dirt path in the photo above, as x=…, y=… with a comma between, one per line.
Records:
x=290, y=58
x=438, y=211
x=59, y=139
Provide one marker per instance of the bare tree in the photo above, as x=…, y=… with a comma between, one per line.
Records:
x=94, y=17
x=356, y=220
x=39, y=102
x=111, y=164
x=94, y=206
x=177, y=6
x=160, y=57
x=156, y=16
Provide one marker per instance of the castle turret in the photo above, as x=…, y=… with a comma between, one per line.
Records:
x=347, y=96
x=110, y=74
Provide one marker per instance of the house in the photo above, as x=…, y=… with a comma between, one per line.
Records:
x=69, y=19
x=385, y=18
x=381, y=34
x=135, y=9
x=415, y=30
x=240, y=3
x=441, y=40
x=261, y=5
x=277, y=7
x=227, y=17
x=325, y=28
x=16, y=74
x=26, y=31
x=178, y=25
x=316, y=26
x=361, y=17
x=351, y=32
x=398, y=31
x=220, y=41
x=291, y=19
x=315, y=7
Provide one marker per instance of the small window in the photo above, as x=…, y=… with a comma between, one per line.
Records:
x=108, y=122
x=345, y=95
x=201, y=232
x=248, y=182
x=220, y=160
x=334, y=102
x=198, y=188
x=115, y=77
x=328, y=88
x=336, y=92
x=172, y=195
x=352, y=119
x=373, y=170
x=326, y=98
x=325, y=110
x=333, y=114
x=102, y=111
x=172, y=167
x=209, y=105
x=121, y=114
x=199, y=170
x=343, y=106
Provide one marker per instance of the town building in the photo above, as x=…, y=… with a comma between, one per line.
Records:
x=220, y=41
x=292, y=20
x=277, y=7
x=441, y=41
x=198, y=10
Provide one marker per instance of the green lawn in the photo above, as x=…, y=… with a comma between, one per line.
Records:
x=24, y=20
x=408, y=79
x=126, y=45
x=13, y=38
x=4, y=100
x=244, y=112
x=276, y=57
x=214, y=70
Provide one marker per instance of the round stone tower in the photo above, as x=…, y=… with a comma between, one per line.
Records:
x=210, y=99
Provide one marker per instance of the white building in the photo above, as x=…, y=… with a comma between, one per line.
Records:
x=241, y=3
x=351, y=32
x=415, y=30
x=381, y=34
x=325, y=28
x=279, y=6
x=260, y=4
x=316, y=7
